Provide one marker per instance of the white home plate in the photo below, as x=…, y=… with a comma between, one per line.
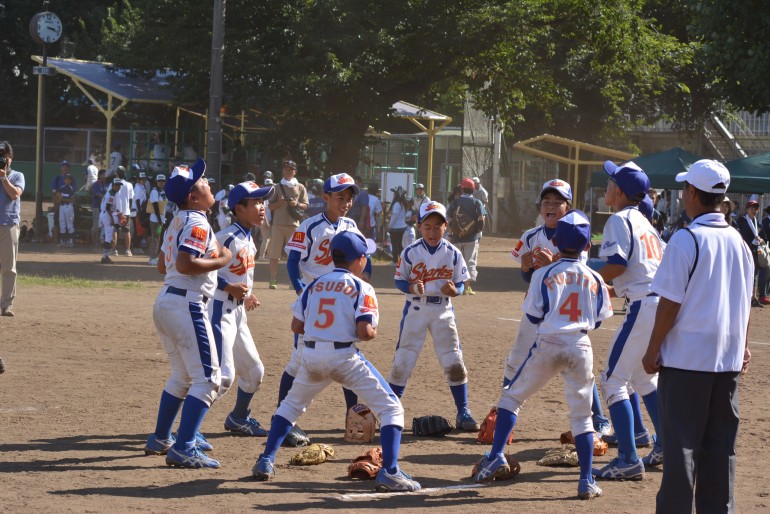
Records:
x=379, y=496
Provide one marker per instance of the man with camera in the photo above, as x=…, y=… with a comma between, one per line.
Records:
x=11, y=188
x=288, y=204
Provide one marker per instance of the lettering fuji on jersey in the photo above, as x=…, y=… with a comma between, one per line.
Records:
x=446, y=263
x=312, y=239
x=568, y=278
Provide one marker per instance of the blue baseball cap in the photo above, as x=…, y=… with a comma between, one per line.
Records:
x=573, y=232
x=647, y=208
x=352, y=244
x=246, y=190
x=340, y=182
x=630, y=178
x=136, y=166
x=65, y=163
x=182, y=180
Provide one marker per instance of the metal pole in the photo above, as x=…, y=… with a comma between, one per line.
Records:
x=214, y=125
x=40, y=142
x=431, y=137
x=496, y=149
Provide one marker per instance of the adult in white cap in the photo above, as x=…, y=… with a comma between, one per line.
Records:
x=632, y=249
x=698, y=345
x=419, y=197
x=751, y=232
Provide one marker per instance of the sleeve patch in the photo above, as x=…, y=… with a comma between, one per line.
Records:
x=298, y=237
x=370, y=302
x=199, y=233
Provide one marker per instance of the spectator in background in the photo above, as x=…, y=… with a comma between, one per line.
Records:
x=726, y=208
x=264, y=228
x=158, y=154
x=97, y=193
x=11, y=188
x=240, y=159
x=316, y=203
x=658, y=219
x=124, y=199
x=288, y=192
x=56, y=185
x=749, y=227
x=375, y=213
x=419, y=197
x=397, y=224
x=359, y=212
x=67, y=212
x=469, y=211
x=156, y=205
x=116, y=160
x=91, y=172
x=481, y=195
x=764, y=293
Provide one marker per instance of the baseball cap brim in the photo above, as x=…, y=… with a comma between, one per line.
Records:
x=245, y=191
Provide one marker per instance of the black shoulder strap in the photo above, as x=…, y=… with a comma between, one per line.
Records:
x=283, y=191
x=697, y=254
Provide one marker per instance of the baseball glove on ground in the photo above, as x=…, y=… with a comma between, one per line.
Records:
x=367, y=465
x=297, y=437
x=600, y=447
x=487, y=430
x=564, y=456
x=316, y=453
x=360, y=424
x=513, y=464
x=430, y=426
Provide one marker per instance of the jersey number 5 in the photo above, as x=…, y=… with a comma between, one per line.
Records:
x=570, y=307
x=326, y=313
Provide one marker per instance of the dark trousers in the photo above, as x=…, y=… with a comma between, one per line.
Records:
x=699, y=426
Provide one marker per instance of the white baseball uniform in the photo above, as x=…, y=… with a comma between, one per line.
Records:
x=236, y=349
x=533, y=240
x=223, y=213
x=629, y=239
x=180, y=313
x=330, y=308
x=566, y=299
x=312, y=239
x=432, y=311
x=109, y=215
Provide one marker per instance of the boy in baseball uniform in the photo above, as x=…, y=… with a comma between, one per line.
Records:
x=310, y=257
x=333, y=312
x=535, y=250
x=633, y=251
x=189, y=258
x=430, y=271
x=233, y=298
x=110, y=219
x=67, y=212
x=566, y=300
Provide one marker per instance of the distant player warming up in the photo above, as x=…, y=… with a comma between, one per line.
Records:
x=333, y=312
x=565, y=300
x=233, y=298
x=430, y=271
x=189, y=258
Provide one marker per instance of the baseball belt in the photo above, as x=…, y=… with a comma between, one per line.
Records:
x=438, y=300
x=337, y=345
x=183, y=292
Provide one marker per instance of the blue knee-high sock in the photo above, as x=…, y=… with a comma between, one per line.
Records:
x=242, y=402
x=622, y=420
x=636, y=408
x=279, y=429
x=651, y=402
x=390, y=437
x=584, y=444
x=283, y=388
x=506, y=420
x=399, y=390
x=351, y=398
x=167, y=413
x=596, y=408
x=193, y=412
x=460, y=395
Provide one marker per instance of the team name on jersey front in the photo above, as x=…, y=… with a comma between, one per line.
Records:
x=421, y=272
x=312, y=240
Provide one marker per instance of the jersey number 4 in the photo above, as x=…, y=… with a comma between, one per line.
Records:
x=570, y=307
x=325, y=313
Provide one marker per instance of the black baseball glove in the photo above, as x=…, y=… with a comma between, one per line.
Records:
x=430, y=426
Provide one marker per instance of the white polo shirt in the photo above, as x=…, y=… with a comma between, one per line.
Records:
x=713, y=282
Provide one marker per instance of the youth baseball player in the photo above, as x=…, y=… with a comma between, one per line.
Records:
x=633, y=250
x=233, y=297
x=156, y=207
x=534, y=250
x=566, y=299
x=223, y=211
x=310, y=257
x=430, y=271
x=190, y=257
x=66, y=212
x=110, y=218
x=333, y=312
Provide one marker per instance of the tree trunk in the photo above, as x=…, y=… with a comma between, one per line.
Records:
x=346, y=151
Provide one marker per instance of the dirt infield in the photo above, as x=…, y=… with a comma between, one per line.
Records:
x=85, y=373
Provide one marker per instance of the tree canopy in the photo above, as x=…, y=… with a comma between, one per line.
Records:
x=324, y=71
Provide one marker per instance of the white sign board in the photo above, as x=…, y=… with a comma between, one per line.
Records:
x=391, y=180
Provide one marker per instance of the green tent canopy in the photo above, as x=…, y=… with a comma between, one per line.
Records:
x=661, y=167
x=750, y=175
